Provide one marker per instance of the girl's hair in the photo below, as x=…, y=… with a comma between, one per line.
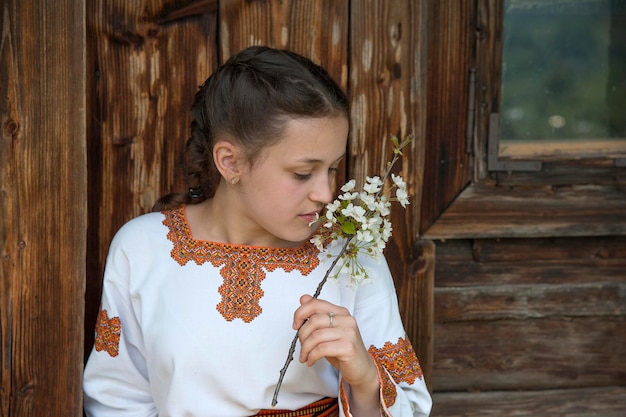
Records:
x=250, y=98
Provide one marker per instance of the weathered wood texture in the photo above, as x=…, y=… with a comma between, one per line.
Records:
x=145, y=63
x=451, y=26
x=43, y=212
x=581, y=402
x=315, y=29
x=568, y=197
x=388, y=97
x=483, y=211
x=137, y=141
x=531, y=354
x=415, y=296
x=530, y=314
x=488, y=76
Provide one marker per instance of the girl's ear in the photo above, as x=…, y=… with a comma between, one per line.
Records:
x=228, y=160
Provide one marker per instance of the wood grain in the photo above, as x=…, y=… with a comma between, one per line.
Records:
x=482, y=211
x=530, y=314
x=388, y=97
x=509, y=354
x=143, y=74
x=315, y=29
x=604, y=299
x=447, y=163
x=578, y=402
x=42, y=204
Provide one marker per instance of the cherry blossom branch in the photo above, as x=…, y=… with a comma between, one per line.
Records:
x=359, y=217
x=292, y=348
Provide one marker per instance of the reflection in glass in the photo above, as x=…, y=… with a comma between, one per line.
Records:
x=563, y=70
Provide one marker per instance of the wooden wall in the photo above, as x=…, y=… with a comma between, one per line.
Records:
x=146, y=60
x=529, y=327
x=43, y=206
x=93, y=119
x=530, y=275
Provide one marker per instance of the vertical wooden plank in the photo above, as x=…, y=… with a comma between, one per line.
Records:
x=388, y=94
x=451, y=33
x=146, y=60
x=315, y=29
x=490, y=14
x=42, y=206
x=417, y=303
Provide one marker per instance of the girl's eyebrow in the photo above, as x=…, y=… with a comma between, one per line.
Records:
x=318, y=161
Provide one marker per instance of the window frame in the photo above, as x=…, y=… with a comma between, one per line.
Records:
x=577, y=197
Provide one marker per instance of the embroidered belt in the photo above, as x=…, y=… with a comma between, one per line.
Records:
x=326, y=407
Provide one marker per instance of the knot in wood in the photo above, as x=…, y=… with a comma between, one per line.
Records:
x=11, y=127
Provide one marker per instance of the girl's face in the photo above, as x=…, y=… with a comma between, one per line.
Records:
x=292, y=181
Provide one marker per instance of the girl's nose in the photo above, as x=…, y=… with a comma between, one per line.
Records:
x=322, y=191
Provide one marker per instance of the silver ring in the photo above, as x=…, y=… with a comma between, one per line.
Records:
x=331, y=316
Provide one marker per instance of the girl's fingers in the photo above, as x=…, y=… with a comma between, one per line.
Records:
x=329, y=331
x=318, y=339
x=310, y=307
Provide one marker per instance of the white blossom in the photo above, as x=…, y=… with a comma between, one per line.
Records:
x=349, y=186
x=402, y=196
x=398, y=181
x=372, y=185
x=361, y=217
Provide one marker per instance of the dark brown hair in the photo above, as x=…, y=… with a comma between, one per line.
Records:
x=250, y=98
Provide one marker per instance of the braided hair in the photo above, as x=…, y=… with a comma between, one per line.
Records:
x=250, y=98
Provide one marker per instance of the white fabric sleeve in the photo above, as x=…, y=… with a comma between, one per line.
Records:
x=403, y=391
x=115, y=381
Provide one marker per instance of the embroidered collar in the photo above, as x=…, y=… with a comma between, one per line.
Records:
x=243, y=267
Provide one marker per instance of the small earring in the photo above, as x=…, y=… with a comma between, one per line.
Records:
x=195, y=193
x=234, y=180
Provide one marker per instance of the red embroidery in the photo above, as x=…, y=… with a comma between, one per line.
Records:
x=399, y=360
x=108, y=333
x=242, y=267
x=326, y=407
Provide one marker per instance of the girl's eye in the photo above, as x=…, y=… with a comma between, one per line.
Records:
x=333, y=170
x=302, y=177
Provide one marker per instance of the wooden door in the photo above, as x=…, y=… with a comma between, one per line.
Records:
x=146, y=59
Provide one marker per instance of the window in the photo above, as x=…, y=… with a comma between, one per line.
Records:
x=563, y=81
x=545, y=145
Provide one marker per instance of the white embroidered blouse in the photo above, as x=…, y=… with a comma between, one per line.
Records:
x=197, y=328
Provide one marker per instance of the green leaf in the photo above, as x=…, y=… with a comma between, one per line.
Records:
x=348, y=228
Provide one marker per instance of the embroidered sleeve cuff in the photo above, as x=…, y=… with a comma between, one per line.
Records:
x=387, y=391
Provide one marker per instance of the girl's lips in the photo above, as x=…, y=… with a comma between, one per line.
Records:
x=310, y=217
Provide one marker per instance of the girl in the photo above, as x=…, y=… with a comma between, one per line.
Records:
x=202, y=298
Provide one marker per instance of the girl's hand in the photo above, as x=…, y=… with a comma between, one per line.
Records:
x=329, y=331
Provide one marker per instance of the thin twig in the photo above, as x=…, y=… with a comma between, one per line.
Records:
x=396, y=155
x=292, y=348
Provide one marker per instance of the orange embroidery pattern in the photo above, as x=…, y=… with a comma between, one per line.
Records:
x=399, y=360
x=326, y=407
x=343, y=398
x=242, y=267
x=387, y=388
x=108, y=333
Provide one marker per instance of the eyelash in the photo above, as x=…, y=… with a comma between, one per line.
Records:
x=304, y=177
